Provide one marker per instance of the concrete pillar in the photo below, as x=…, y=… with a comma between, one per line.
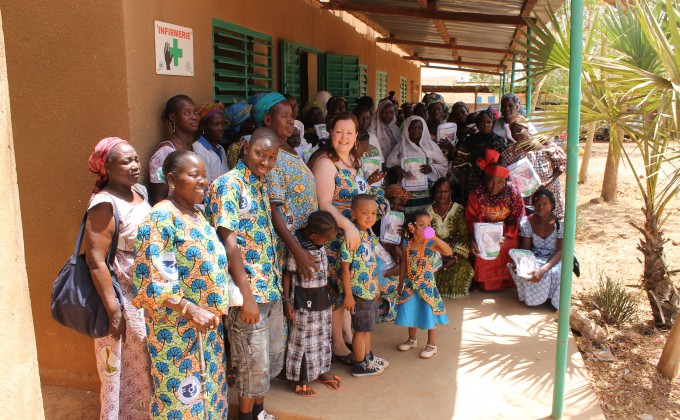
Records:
x=20, y=395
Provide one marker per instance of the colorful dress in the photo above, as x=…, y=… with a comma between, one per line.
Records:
x=292, y=186
x=420, y=304
x=239, y=201
x=180, y=256
x=454, y=282
x=362, y=267
x=388, y=298
x=123, y=366
x=546, y=161
x=310, y=334
x=507, y=207
x=548, y=288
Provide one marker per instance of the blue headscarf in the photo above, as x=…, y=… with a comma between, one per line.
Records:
x=237, y=114
x=265, y=104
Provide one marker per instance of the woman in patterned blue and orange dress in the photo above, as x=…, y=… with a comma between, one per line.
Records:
x=339, y=178
x=180, y=279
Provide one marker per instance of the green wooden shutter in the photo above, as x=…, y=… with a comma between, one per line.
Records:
x=380, y=85
x=403, y=89
x=342, y=77
x=363, y=80
x=290, y=68
x=242, y=62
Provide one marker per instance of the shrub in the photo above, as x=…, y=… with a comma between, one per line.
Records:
x=616, y=303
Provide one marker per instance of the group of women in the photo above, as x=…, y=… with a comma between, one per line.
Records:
x=179, y=275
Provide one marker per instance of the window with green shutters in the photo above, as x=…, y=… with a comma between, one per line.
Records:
x=403, y=89
x=380, y=85
x=242, y=62
x=363, y=80
x=342, y=77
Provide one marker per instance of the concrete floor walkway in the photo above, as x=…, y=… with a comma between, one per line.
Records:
x=496, y=360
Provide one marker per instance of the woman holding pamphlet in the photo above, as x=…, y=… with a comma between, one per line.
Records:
x=416, y=162
x=493, y=212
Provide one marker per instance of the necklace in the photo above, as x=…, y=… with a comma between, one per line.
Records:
x=446, y=212
x=350, y=165
x=192, y=211
x=420, y=261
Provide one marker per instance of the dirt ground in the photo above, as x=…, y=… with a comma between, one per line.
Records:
x=629, y=387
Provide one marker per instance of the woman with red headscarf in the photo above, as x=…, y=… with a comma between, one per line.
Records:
x=495, y=200
x=122, y=358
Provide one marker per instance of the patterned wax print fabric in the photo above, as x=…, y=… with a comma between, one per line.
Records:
x=239, y=201
x=507, y=207
x=292, y=186
x=310, y=331
x=347, y=185
x=123, y=365
x=157, y=159
x=180, y=256
x=420, y=278
x=548, y=288
x=362, y=265
x=388, y=299
x=453, y=282
x=546, y=161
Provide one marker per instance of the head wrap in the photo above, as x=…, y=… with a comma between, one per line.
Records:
x=436, y=98
x=388, y=134
x=265, y=104
x=460, y=104
x=490, y=164
x=237, y=114
x=396, y=190
x=333, y=100
x=253, y=99
x=98, y=159
x=322, y=98
x=486, y=112
x=519, y=119
x=209, y=109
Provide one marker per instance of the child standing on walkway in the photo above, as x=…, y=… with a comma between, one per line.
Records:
x=360, y=283
x=308, y=307
x=421, y=306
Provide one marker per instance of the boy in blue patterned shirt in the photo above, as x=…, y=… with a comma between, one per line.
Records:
x=361, y=287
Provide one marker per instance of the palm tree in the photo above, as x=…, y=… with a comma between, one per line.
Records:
x=633, y=86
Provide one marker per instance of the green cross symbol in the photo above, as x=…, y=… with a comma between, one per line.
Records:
x=176, y=52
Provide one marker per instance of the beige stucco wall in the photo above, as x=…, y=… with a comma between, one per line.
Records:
x=82, y=70
x=20, y=395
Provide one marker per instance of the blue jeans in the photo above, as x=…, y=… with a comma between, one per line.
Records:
x=257, y=349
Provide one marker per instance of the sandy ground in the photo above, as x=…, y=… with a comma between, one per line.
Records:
x=606, y=243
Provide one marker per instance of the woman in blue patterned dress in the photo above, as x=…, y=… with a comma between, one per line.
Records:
x=541, y=233
x=180, y=279
x=339, y=178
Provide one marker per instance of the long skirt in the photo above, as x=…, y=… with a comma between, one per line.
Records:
x=454, y=282
x=416, y=313
x=494, y=274
x=310, y=336
x=534, y=294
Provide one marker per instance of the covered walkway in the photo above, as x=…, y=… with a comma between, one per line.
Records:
x=496, y=360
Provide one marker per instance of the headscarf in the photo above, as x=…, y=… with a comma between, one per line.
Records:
x=334, y=99
x=309, y=106
x=396, y=190
x=388, y=135
x=253, y=99
x=98, y=159
x=209, y=109
x=490, y=164
x=514, y=98
x=460, y=104
x=426, y=148
x=265, y=104
x=436, y=98
x=322, y=98
x=237, y=114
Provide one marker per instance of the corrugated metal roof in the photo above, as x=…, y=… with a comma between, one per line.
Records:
x=395, y=17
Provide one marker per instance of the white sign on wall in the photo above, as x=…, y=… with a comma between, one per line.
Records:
x=174, y=49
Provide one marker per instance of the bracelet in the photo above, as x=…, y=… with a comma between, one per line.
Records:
x=286, y=299
x=184, y=310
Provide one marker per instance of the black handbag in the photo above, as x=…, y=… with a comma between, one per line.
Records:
x=75, y=301
x=577, y=266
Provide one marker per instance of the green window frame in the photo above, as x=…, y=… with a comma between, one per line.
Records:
x=363, y=80
x=342, y=76
x=380, y=85
x=242, y=62
x=403, y=89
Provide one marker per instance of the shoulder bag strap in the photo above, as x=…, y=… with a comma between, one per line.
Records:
x=114, y=239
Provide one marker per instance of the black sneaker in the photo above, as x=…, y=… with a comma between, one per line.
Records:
x=366, y=368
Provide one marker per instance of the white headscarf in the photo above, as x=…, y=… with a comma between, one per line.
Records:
x=322, y=97
x=426, y=148
x=388, y=135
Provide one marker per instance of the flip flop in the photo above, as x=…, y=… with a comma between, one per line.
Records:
x=302, y=390
x=330, y=382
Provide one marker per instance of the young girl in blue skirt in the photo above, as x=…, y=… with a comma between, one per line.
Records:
x=421, y=306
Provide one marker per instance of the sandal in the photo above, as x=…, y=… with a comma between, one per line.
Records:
x=302, y=390
x=330, y=382
x=345, y=360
